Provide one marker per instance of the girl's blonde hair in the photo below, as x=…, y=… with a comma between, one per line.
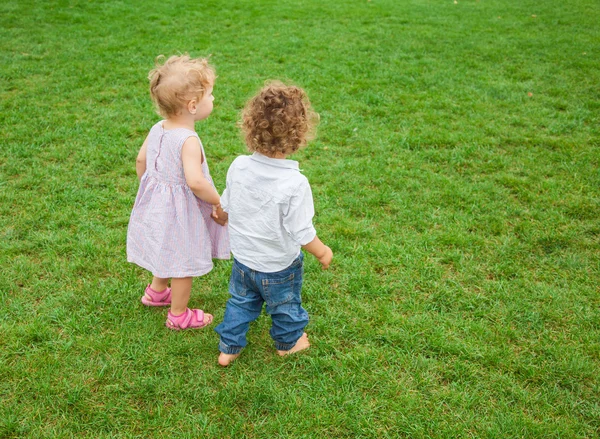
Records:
x=178, y=80
x=278, y=119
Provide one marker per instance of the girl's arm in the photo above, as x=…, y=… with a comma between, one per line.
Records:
x=191, y=155
x=140, y=161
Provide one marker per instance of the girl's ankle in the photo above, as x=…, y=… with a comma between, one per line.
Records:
x=158, y=291
x=177, y=313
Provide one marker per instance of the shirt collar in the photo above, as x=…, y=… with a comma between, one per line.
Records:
x=280, y=163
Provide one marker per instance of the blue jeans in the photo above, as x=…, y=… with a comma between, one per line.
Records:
x=249, y=289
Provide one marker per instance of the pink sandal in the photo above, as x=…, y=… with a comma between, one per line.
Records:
x=190, y=319
x=154, y=298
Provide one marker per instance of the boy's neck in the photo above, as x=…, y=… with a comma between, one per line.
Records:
x=276, y=155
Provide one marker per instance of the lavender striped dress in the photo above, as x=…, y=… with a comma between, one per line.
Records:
x=171, y=233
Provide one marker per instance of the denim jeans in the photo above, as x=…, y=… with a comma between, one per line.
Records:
x=249, y=289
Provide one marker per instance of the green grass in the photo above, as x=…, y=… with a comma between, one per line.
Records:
x=455, y=177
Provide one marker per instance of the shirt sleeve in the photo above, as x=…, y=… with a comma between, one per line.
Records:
x=225, y=194
x=297, y=221
x=225, y=201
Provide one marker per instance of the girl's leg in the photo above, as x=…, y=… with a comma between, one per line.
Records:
x=180, y=316
x=157, y=293
x=159, y=284
x=181, y=288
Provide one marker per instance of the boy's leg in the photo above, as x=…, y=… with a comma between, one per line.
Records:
x=300, y=345
x=282, y=292
x=243, y=307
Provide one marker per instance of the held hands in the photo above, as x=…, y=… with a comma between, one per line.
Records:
x=219, y=215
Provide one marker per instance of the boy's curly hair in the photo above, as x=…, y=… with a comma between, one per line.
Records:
x=278, y=119
x=177, y=81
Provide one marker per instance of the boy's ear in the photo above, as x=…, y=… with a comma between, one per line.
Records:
x=192, y=106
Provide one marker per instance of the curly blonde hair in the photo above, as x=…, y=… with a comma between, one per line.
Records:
x=278, y=119
x=178, y=80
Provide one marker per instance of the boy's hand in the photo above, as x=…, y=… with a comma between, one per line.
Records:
x=219, y=215
x=325, y=260
x=319, y=251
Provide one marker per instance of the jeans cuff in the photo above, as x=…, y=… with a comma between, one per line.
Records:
x=231, y=350
x=284, y=346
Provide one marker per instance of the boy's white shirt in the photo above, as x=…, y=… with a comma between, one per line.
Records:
x=270, y=209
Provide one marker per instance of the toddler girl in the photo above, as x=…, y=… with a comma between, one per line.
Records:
x=171, y=233
x=270, y=209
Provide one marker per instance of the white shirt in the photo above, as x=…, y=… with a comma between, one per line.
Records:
x=270, y=209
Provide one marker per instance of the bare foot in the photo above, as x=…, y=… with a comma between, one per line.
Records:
x=300, y=345
x=226, y=359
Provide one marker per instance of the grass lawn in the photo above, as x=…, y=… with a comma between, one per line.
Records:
x=455, y=175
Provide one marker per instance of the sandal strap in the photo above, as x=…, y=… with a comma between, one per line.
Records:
x=154, y=295
x=190, y=315
x=187, y=320
x=199, y=314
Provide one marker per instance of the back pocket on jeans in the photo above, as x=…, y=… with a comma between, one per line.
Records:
x=278, y=290
x=237, y=282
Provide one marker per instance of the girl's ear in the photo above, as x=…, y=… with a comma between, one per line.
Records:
x=192, y=106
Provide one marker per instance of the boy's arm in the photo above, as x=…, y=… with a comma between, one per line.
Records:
x=298, y=223
x=191, y=156
x=319, y=251
x=140, y=161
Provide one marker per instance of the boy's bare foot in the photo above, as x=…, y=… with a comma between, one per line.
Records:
x=300, y=345
x=226, y=359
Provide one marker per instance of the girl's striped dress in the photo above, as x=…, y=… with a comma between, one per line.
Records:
x=171, y=232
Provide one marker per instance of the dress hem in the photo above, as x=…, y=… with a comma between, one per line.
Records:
x=176, y=275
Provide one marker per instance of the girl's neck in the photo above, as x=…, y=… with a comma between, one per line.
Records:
x=179, y=121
